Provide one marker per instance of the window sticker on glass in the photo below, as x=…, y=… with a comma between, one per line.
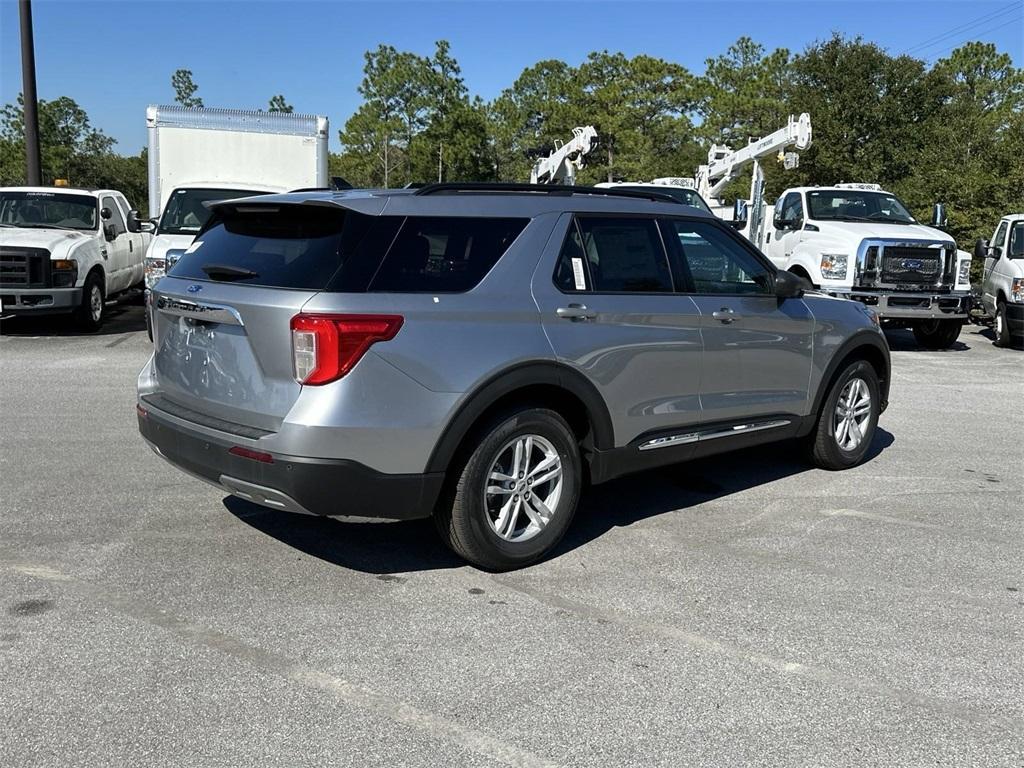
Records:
x=578, y=276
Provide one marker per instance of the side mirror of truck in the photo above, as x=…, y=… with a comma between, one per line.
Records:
x=788, y=285
x=106, y=213
x=981, y=249
x=739, y=212
x=136, y=225
x=939, y=218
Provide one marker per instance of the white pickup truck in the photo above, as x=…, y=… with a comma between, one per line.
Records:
x=67, y=250
x=860, y=242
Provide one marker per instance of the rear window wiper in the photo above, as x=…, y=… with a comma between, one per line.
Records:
x=227, y=272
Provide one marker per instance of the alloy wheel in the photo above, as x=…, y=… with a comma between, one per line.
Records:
x=524, y=486
x=853, y=410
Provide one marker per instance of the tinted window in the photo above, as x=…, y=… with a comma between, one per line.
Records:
x=571, y=269
x=625, y=255
x=34, y=210
x=1017, y=239
x=1000, y=238
x=444, y=254
x=284, y=247
x=716, y=263
x=792, y=208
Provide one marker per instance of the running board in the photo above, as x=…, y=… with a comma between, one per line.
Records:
x=711, y=434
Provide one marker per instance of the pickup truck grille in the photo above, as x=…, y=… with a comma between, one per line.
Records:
x=24, y=268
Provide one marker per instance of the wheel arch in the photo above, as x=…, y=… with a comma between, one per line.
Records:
x=865, y=345
x=537, y=383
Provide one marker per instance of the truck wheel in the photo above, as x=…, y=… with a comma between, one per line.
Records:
x=1002, y=327
x=90, y=313
x=847, y=420
x=516, y=493
x=937, y=334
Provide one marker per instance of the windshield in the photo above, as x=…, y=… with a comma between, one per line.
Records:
x=185, y=213
x=857, y=205
x=47, y=210
x=680, y=194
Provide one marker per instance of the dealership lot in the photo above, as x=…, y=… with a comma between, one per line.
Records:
x=744, y=610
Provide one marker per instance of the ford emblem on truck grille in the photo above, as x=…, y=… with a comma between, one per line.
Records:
x=905, y=264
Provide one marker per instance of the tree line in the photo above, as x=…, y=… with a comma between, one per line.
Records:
x=951, y=132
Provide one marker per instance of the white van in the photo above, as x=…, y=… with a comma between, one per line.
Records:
x=1002, y=287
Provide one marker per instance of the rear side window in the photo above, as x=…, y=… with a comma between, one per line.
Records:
x=444, y=254
x=623, y=255
x=305, y=247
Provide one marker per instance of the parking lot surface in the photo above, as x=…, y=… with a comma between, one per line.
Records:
x=744, y=610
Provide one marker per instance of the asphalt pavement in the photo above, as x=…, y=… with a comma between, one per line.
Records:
x=742, y=610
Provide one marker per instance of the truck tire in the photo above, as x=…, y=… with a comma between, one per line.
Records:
x=498, y=516
x=91, y=312
x=847, y=419
x=1002, y=327
x=937, y=334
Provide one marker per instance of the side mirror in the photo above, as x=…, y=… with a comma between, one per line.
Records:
x=939, y=218
x=788, y=285
x=135, y=224
x=981, y=249
x=106, y=213
x=739, y=211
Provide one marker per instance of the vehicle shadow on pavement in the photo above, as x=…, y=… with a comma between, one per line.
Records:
x=902, y=340
x=124, y=316
x=386, y=547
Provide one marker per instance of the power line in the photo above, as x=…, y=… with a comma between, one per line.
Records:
x=940, y=53
x=962, y=28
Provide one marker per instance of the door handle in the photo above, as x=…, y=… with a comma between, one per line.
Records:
x=726, y=315
x=575, y=312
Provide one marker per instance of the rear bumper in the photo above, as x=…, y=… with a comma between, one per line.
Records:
x=332, y=487
x=40, y=300
x=912, y=306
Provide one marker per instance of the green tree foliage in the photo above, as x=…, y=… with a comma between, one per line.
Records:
x=185, y=88
x=278, y=104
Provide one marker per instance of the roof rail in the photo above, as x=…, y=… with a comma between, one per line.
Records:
x=547, y=189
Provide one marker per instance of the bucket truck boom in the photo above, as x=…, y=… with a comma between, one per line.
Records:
x=561, y=165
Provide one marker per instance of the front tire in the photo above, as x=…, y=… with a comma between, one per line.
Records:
x=937, y=334
x=517, y=492
x=1002, y=327
x=848, y=417
x=91, y=312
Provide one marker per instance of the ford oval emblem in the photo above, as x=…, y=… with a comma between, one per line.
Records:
x=196, y=288
x=905, y=264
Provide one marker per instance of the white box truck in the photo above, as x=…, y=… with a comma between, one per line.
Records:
x=197, y=155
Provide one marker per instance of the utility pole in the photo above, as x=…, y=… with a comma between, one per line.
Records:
x=33, y=170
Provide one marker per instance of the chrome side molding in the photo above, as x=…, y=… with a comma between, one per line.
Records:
x=711, y=434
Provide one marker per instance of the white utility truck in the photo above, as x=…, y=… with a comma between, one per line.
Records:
x=856, y=241
x=1002, y=284
x=65, y=250
x=197, y=155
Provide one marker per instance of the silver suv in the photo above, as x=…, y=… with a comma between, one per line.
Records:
x=477, y=353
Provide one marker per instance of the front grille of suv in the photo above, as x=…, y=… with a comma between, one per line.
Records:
x=24, y=268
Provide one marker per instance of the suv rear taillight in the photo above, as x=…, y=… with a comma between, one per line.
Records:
x=326, y=347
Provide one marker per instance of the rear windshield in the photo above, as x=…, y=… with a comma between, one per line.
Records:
x=320, y=248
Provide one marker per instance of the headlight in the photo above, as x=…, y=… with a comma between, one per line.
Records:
x=155, y=269
x=64, y=272
x=964, y=274
x=833, y=266
x=1017, y=290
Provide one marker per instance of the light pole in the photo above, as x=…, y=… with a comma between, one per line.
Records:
x=33, y=170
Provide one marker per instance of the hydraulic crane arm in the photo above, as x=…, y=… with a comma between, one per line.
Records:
x=724, y=165
x=561, y=165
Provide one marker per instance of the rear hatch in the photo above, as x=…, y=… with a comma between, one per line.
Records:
x=222, y=316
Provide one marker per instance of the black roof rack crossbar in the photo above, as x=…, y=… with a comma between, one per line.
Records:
x=548, y=189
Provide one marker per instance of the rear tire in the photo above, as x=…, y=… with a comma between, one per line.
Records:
x=937, y=334
x=1002, y=327
x=495, y=516
x=92, y=311
x=836, y=443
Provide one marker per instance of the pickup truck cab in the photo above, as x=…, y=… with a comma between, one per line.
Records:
x=1002, y=285
x=858, y=241
x=65, y=250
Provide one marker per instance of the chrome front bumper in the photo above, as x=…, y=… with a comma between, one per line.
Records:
x=912, y=306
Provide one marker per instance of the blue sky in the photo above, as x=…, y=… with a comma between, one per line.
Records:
x=114, y=58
